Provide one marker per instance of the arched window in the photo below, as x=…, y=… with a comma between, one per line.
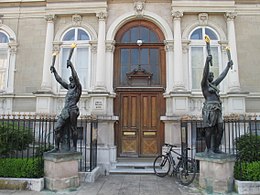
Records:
x=198, y=54
x=4, y=65
x=138, y=49
x=80, y=57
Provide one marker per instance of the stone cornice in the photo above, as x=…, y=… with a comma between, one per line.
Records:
x=79, y=8
x=201, y=6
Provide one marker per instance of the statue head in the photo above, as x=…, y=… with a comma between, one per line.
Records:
x=211, y=77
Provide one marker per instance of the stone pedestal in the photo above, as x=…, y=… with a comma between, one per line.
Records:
x=216, y=172
x=61, y=170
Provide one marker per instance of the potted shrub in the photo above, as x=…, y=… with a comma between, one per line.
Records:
x=246, y=170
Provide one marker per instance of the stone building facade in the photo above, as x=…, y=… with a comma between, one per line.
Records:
x=140, y=63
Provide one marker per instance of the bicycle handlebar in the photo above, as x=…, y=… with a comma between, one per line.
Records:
x=174, y=146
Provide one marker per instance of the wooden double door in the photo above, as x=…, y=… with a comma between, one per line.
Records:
x=139, y=132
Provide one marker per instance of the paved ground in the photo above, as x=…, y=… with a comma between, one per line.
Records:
x=122, y=185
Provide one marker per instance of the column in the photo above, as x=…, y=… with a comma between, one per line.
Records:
x=110, y=48
x=234, y=85
x=101, y=50
x=169, y=64
x=46, y=75
x=178, y=83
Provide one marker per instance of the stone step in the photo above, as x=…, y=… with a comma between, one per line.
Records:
x=132, y=171
x=133, y=166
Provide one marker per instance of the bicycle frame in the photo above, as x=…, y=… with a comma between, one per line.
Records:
x=180, y=157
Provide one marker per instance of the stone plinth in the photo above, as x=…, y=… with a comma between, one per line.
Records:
x=61, y=170
x=216, y=172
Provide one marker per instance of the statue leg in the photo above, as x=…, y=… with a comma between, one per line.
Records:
x=74, y=132
x=218, y=137
x=208, y=136
x=58, y=134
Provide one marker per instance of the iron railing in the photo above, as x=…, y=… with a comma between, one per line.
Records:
x=30, y=135
x=235, y=126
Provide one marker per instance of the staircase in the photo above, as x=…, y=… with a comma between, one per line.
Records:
x=133, y=166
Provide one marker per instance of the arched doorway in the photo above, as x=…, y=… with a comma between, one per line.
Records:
x=139, y=83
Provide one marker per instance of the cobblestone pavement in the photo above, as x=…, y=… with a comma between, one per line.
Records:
x=122, y=184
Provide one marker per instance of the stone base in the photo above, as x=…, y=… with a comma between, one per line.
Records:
x=216, y=172
x=22, y=184
x=247, y=187
x=89, y=177
x=61, y=170
x=60, y=184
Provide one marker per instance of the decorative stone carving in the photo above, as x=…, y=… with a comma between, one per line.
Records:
x=13, y=46
x=93, y=45
x=102, y=15
x=139, y=8
x=231, y=15
x=110, y=46
x=56, y=46
x=76, y=19
x=177, y=15
x=169, y=45
x=50, y=18
x=203, y=19
x=185, y=46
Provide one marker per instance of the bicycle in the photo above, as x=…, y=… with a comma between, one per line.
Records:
x=185, y=169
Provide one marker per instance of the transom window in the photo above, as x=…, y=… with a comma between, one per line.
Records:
x=198, y=54
x=80, y=57
x=139, y=44
x=4, y=40
x=140, y=33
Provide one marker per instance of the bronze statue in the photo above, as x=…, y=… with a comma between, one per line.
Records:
x=66, y=125
x=212, y=108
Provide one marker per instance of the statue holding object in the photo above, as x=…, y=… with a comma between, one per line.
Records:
x=66, y=125
x=212, y=108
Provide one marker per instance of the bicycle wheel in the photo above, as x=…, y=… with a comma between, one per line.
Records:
x=186, y=172
x=161, y=165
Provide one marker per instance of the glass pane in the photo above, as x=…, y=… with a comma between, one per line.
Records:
x=144, y=56
x=82, y=61
x=197, y=63
x=134, y=35
x=70, y=35
x=153, y=37
x=215, y=61
x=3, y=58
x=3, y=38
x=3, y=68
x=144, y=34
x=124, y=70
x=124, y=57
x=154, y=63
x=126, y=37
x=197, y=34
x=135, y=57
x=82, y=35
x=211, y=34
x=65, y=72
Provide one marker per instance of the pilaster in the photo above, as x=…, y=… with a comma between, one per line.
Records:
x=46, y=76
x=178, y=83
x=233, y=84
x=101, y=49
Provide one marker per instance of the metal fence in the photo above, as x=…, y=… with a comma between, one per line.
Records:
x=30, y=135
x=235, y=126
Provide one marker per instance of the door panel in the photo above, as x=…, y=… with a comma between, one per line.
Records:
x=139, y=127
x=149, y=124
x=130, y=124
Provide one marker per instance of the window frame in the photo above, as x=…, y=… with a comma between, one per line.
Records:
x=200, y=43
x=5, y=46
x=80, y=44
